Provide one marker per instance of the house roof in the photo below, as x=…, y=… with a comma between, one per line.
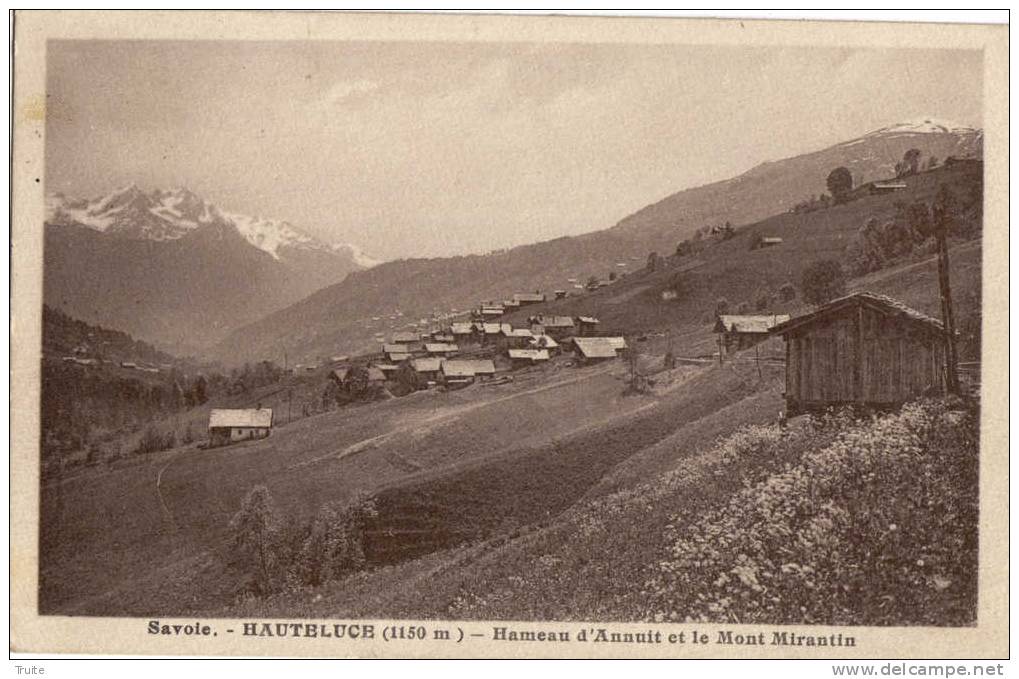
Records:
x=529, y=297
x=532, y=354
x=493, y=328
x=246, y=417
x=395, y=349
x=517, y=332
x=557, y=321
x=340, y=374
x=461, y=328
x=595, y=347
x=440, y=347
x=385, y=367
x=375, y=374
x=771, y=239
x=467, y=368
x=880, y=303
x=404, y=337
x=617, y=342
x=587, y=319
x=761, y=323
x=426, y=365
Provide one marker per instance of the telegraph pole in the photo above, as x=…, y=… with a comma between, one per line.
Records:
x=941, y=218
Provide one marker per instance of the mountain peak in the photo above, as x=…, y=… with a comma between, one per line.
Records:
x=924, y=125
x=169, y=214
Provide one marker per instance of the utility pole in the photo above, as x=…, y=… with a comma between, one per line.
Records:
x=941, y=218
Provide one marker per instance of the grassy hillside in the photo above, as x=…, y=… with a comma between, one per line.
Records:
x=552, y=495
x=343, y=318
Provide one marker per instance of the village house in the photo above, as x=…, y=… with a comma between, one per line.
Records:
x=461, y=372
x=527, y=298
x=770, y=241
x=462, y=332
x=441, y=349
x=428, y=368
x=596, y=349
x=516, y=338
x=227, y=425
x=406, y=337
x=510, y=305
x=492, y=310
x=396, y=353
x=862, y=349
x=526, y=357
x=738, y=332
x=558, y=327
x=586, y=325
x=561, y=294
x=545, y=342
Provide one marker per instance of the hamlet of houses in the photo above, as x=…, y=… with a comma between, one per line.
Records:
x=479, y=345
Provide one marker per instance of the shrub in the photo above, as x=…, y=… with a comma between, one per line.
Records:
x=823, y=281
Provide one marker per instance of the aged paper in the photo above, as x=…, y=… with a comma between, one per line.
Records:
x=136, y=552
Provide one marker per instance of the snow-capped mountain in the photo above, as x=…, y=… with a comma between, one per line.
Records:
x=163, y=215
x=925, y=126
x=169, y=267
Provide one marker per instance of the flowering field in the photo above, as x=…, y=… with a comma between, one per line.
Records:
x=878, y=528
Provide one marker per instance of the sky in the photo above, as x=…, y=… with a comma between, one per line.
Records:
x=431, y=149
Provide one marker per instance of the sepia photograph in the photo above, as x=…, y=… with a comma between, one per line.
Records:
x=564, y=336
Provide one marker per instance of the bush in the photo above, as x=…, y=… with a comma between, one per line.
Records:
x=152, y=441
x=823, y=281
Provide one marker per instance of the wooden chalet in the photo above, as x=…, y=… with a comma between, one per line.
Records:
x=441, y=349
x=595, y=349
x=229, y=425
x=862, y=349
x=516, y=338
x=739, y=332
x=558, y=327
x=586, y=325
x=429, y=368
x=406, y=337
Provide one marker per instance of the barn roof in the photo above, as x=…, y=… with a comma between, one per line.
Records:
x=595, y=347
x=760, y=323
x=440, y=347
x=532, y=354
x=245, y=417
x=426, y=365
x=879, y=303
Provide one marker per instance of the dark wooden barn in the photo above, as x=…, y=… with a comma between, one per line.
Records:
x=863, y=349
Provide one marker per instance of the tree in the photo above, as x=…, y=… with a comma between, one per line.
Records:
x=823, y=281
x=743, y=308
x=334, y=543
x=653, y=261
x=787, y=292
x=763, y=302
x=909, y=164
x=728, y=231
x=932, y=162
x=612, y=275
x=257, y=537
x=201, y=389
x=721, y=306
x=840, y=183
